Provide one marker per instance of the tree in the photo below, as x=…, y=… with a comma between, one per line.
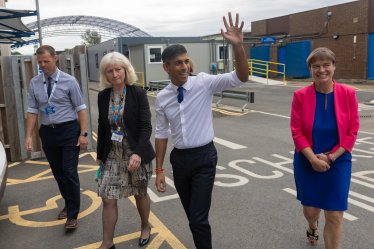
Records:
x=91, y=37
x=66, y=49
x=16, y=53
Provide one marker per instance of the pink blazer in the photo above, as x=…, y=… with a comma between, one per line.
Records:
x=346, y=111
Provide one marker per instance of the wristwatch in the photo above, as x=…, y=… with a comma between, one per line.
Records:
x=83, y=134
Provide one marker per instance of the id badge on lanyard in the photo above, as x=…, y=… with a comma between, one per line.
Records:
x=115, y=135
x=50, y=109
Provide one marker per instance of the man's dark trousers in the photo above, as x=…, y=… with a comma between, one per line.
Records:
x=194, y=171
x=62, y=152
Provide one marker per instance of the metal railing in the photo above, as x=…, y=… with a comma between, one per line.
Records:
x=248, y=97
x=138, y=83
x=158, y=84
x=264, y=71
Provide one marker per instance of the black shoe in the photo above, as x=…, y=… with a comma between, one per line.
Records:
x=143, y=242
x=112, y=247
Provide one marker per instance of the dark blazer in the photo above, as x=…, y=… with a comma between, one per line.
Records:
x=137, y=119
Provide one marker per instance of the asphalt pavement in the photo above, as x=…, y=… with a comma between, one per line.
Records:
x=254, y=203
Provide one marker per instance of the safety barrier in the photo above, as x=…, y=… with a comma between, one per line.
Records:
x=265, y=64
x=248, y=97
x=138, y=83
x=158, y=84
x=264, y=71
x=3, y=170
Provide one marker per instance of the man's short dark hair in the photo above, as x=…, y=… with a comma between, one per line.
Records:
x=46, y=48
x=170, y=52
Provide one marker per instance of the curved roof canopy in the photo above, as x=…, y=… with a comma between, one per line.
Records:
x=12, y=30
x=77, y=26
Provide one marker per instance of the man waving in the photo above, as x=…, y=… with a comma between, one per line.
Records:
x=184, y=109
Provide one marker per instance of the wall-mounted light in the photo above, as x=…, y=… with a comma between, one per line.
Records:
x=115, y=43
x=335, y=36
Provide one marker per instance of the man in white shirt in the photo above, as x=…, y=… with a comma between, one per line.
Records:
x=184, y=109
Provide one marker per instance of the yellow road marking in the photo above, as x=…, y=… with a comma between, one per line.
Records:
x=15, y=215
x=228, y=112
x=353, y=87
x=163, y=234
x=41, y=176
x=13, y=164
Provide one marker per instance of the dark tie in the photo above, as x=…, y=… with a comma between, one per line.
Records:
x=49, y=89
x=180, y=94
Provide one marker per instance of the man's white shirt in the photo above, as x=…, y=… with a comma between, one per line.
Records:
x=190, y=122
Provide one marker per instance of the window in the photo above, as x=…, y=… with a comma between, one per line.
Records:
x=97, y=60
x=154, y=54
x=223, y=52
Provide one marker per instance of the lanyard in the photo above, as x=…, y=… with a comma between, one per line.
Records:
x=54, y=87
x=116, y=117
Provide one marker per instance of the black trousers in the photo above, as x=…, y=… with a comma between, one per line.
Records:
x=194, y=171
x=60, y=148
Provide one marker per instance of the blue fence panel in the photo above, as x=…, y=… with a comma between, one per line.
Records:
x=296, y=55
x=371, y=57
x=260, y=53
x=281, y=59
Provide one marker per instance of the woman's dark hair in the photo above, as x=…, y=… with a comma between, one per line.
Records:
x=170, y=52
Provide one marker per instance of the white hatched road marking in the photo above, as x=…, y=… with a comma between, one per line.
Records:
x=228, y=144
x=345, y=215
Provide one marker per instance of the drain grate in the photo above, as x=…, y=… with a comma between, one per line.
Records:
x=365, y=116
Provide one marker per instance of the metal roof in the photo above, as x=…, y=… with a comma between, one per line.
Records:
x=77, y=26
x=12, y=30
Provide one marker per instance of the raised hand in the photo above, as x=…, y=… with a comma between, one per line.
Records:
x=234, y=34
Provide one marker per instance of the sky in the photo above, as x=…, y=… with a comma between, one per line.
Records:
x=163, y=17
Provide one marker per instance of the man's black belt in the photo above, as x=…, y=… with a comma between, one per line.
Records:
x=54, y=126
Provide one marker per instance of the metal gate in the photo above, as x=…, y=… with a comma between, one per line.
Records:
x=16, y=73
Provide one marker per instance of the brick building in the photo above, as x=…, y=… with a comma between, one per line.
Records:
x=347, y=29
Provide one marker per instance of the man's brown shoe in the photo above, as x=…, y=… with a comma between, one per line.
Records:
x=63, y=214
x=71, y=223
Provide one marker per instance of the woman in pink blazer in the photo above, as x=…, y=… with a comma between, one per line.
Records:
x=324, y=125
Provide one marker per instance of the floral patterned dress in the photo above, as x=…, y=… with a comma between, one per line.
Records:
x=115, y=181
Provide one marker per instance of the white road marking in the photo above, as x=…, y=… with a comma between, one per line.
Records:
x=362, y=183
x=277, y=165
x=363, y=151
x=354, y=155
x=272, y=114
x=345, y=215
x=232, y=164
x=362, y=174
x=366, y=132
x=156, y=199
x=363, y=140
x=361, y=205
x=364, y=197
x=220, y=167
x=229, y=144
x=242, y=180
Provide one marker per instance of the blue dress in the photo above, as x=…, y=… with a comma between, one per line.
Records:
x=326, y=190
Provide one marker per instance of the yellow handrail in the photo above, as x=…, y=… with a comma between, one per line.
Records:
x=265, y=63
x=138, y=83
x=252, y=62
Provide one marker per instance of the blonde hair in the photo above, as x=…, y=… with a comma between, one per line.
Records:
x=191, y=66
x=115, y=58
x=321, y=52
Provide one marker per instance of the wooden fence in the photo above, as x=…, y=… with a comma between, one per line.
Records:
x=15, y=75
